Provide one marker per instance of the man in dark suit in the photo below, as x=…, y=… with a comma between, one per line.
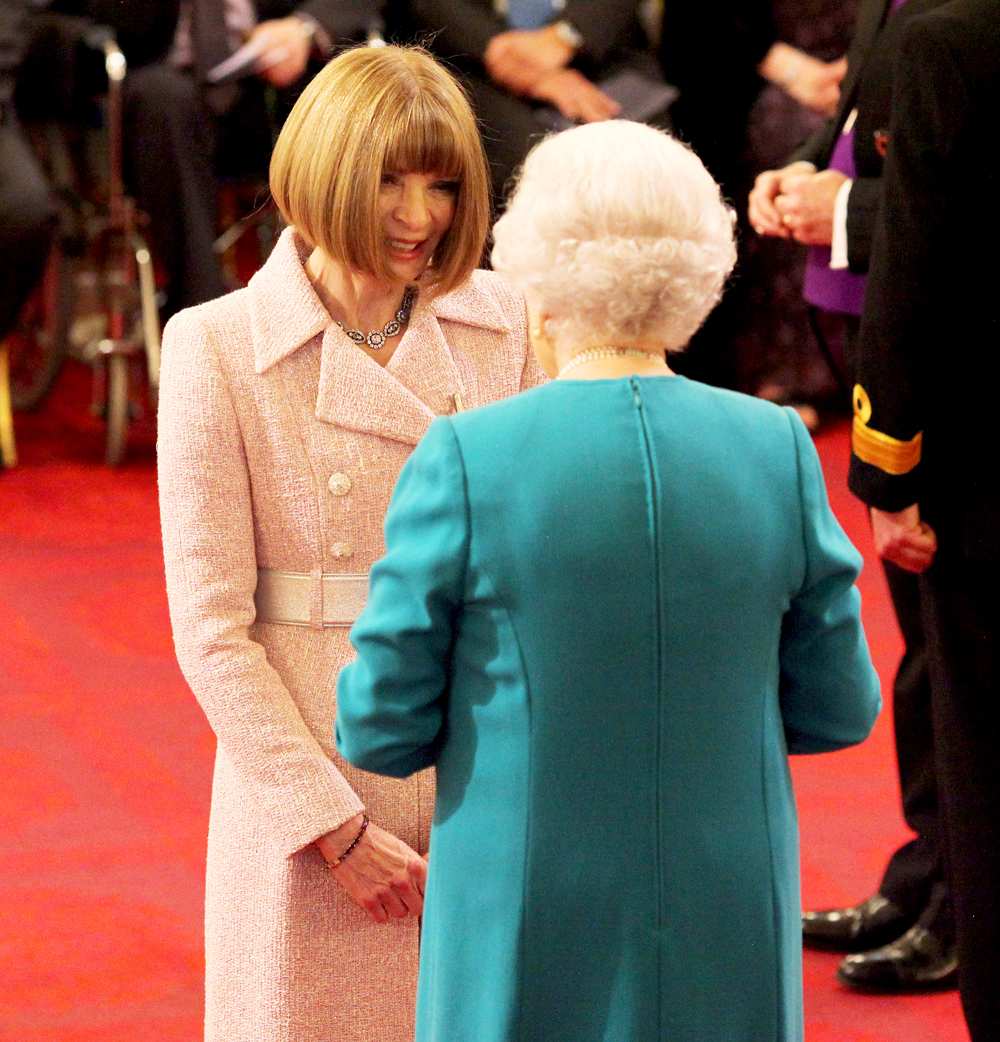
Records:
x=522, y=56
x=27, y=216
x=721, y=56
x=827, y=198
x=925, y=429
x=177, y=125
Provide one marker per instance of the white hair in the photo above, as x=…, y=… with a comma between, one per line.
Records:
x=618, y=233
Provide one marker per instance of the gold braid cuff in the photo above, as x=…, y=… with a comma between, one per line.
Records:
x=880, y=450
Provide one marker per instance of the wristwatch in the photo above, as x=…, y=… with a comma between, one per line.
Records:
x=568, y=33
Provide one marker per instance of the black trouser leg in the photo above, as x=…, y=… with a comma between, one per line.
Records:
x=962, y=614
x=27, y=222
x=170, y=139
x=915, y=872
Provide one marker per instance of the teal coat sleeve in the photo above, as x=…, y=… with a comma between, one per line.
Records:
x=390, y=700
x=829, y=688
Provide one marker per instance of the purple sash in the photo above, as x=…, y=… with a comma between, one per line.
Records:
x=838, y=290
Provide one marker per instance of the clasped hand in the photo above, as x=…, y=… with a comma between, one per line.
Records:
x=519, y=58
x=796, y=202
x=382, y=875
x=534, y=63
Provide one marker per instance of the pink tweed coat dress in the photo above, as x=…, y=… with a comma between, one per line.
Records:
x=279, y=445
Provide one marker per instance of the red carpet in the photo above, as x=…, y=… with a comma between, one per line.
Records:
x=104, y=792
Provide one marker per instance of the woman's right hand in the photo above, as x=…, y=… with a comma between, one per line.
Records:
x=382, y=875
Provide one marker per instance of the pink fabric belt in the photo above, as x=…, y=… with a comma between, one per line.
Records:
x=313, y=599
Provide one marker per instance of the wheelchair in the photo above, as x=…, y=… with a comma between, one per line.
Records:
x=97, y=300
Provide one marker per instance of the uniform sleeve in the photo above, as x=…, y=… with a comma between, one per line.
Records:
x=391, y=699
x=862, y=207
x=900, y=327
x=829, y=688
x=211, y=571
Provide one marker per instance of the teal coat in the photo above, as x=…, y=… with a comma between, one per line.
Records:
x=607, y=611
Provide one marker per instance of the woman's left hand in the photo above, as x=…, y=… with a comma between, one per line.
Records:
x=382, y=874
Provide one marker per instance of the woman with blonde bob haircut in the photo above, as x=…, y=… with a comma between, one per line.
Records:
x=372, y=110
x=287, y=410
x=609, y=609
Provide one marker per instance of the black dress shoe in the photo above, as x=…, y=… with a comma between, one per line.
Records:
x=860, y=928
x=917, y=961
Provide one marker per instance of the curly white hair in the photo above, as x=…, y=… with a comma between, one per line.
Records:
x=616, y=232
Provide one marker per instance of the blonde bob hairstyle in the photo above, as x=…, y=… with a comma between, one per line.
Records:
x=369, y=111
x=618, y=234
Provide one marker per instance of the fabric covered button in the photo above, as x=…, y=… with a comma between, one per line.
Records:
x=339, y=484
x=342, y=550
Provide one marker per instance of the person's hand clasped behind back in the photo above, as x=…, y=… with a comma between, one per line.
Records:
x=382, y=875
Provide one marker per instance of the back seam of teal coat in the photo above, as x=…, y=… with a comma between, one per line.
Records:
x=652, y=500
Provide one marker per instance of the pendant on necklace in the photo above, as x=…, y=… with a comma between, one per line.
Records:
x=377, y=337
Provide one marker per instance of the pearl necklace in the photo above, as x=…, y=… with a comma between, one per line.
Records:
x=376, y=339
x=595, y=353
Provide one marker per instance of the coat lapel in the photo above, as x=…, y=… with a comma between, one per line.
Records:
x=359, y=394
x=397, y=401
x=285, y=312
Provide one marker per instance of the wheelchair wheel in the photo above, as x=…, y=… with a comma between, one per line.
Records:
x=116, y=409
x=37, y=343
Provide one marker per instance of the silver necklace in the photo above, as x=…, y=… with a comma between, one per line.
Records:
x=594, y=353
x=376, y=338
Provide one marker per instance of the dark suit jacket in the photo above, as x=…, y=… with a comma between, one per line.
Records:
x=145, y=28
x=610, y=30
x=867, y=86
x=13, y=19
x=931, y=326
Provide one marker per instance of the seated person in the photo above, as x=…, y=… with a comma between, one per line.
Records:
x=538, y=54
x=27, y=215
x=608, y=610
x=176, y=125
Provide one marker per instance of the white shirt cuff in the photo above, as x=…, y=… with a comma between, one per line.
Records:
x=838, y=247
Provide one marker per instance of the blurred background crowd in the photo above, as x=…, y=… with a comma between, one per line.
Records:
x=183, y=129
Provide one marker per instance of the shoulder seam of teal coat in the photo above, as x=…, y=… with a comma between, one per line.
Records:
x=794, y=419
x=446, y=424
